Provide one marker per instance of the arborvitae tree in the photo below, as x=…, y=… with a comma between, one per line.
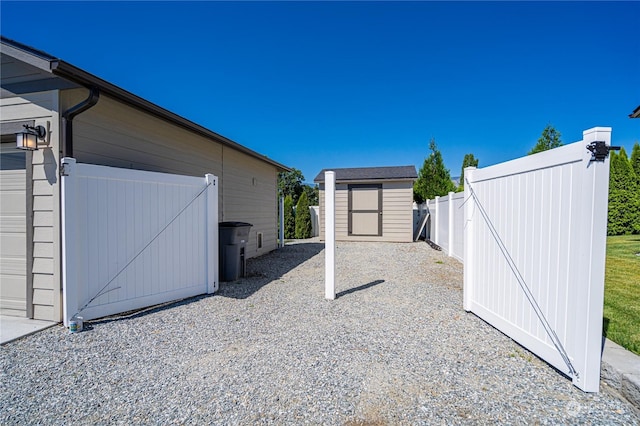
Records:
x=635, y=161
x=433, y=178
x=624, y=201
x=468, y=161
x=289, y=218
x=303, y=217
x=635, y=168
x=549, y=139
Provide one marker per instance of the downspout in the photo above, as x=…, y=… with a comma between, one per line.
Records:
x=69, y=115
x=67, y=151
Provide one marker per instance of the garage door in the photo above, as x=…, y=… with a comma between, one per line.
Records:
x=13, y=245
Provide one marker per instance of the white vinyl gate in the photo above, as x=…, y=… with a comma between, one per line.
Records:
x=535, y=241
x=132, y=238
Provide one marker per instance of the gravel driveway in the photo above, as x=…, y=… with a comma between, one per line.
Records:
x=395, y=347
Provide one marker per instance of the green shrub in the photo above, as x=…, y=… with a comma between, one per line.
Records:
x=289, y=218
x=303, y=217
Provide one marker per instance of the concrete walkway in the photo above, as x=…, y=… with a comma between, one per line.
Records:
x=12, y=328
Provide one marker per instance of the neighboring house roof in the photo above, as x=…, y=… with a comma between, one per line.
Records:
x=635, y=113
x=371, y=173
x=47, y=64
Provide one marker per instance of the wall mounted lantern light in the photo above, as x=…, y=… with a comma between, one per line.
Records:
x=28, y=138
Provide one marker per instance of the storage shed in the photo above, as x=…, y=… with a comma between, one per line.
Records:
x=96, y=122
x=372, y=203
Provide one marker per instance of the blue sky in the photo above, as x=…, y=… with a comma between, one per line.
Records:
x=352, y=84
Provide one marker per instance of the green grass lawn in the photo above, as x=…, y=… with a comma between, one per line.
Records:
x=622, y=291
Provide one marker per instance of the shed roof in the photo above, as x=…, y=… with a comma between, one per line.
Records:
x=371, y=173
x=48, y=64
x=635, y=113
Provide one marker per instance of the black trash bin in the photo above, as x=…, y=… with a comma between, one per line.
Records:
x=233, y=237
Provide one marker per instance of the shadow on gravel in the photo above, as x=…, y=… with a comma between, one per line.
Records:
x=269, y=267
x=359, y=288
x=88, y=325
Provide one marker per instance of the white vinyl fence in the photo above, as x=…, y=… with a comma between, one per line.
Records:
x=535, y=238
x=133, y=239
x=447, y=223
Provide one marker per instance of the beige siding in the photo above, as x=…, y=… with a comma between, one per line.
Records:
x=114, y=134
x=42, y=107
x=397, y=213
x=250, y=188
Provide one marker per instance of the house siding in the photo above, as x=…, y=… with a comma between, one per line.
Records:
x=117, y=135
x=250, y=188
x=397, y=213
x=45, y=272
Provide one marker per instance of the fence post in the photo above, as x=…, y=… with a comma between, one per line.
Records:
x=212, y=233
x=437, y=218
x=330, y=235
x=592, y=252
x=469, y=242
x=281, y=222
x=450, y=225
x=70, y=303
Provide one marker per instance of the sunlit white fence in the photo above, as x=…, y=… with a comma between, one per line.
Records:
x=534, y=238
x=447, y=223
x=133, y=238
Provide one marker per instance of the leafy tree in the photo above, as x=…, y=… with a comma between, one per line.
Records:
x=433, y=178
x=313, y=194
x=468, y=161
x=624, y=200
x=289, y=218
x=549, y=139
x=290, y=183
x=635, y=161
x=303, y=217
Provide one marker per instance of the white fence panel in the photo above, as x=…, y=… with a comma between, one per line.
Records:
x=442, y=223
x=447, y=223
x=431, y=205
x=315, y=224
x=133, y=238
x=535, y=251
x=456, y=234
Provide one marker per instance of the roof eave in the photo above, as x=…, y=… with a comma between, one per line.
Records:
x=70, y=72
x=370, y=180
x=635, y=113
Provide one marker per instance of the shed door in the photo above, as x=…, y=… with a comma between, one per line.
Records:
x=13, y=243
x=365, y=210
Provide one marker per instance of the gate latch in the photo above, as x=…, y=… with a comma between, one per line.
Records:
x=600, y=150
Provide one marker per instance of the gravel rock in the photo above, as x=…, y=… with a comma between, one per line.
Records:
x=395, y=347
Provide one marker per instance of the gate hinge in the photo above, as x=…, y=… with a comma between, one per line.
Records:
x=63, y=170
x=600, y=150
